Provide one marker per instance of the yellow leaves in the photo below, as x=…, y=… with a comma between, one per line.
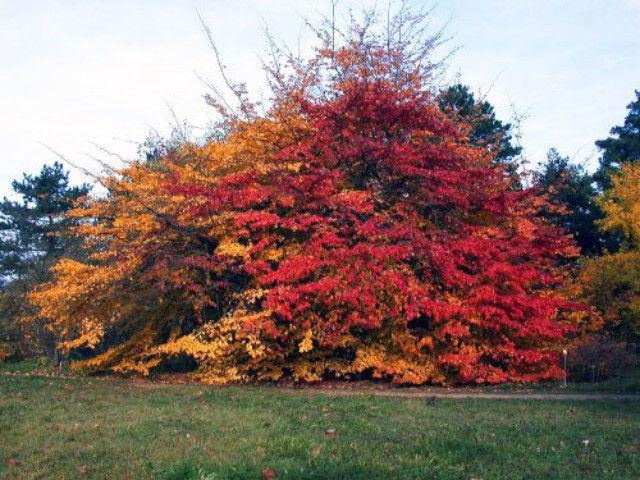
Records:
x=143, y=223
x=135, y=284
x=397, y=365
x=255, y=349
x=425, y=342
x=306, y=345
x=92, y=332
x=230, y=247
x=270, y=372
x=369, y=357
x=250, y=295
x=140, y=367
x=273, y=254
x=621, y=203
x=307, y=371
x=611, y=282
x=293, y=167
x=129, y=356
x=219, y=347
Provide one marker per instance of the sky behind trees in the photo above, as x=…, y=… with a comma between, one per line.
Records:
x=76, y=73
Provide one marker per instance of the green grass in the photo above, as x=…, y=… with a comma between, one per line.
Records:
x=40, y=365
x=628, y=382
x=89, y=428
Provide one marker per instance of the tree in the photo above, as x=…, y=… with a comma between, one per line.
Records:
x=33, y=236
x=354, y=229
x=623, y=146
x=611, y=283
x=487, y=130
x=572, y=203
x=32, y=230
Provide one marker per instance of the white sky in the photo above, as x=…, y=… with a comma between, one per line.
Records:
x=77, y=72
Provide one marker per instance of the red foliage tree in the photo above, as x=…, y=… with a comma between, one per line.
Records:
x=351, y=230
x=408, y=252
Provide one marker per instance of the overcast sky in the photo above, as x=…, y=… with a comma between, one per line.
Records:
x=75, y=73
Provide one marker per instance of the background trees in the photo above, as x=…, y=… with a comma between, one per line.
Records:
x=601, y=211
x=34, y=234
x=611, y=283
x=573, y=204
x=623, y=146
x=571, y=188
x=487, y=130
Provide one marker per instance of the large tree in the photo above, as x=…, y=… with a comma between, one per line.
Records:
x=352, y=229
x=623, y=146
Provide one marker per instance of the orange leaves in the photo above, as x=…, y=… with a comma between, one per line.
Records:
x=352, y=230
x=611, y=282
x=621, y=203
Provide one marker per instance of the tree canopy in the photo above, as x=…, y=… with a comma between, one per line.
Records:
x=573, y=203
x=353, y=229
x=623, y=146
x=32, y=229
x=34, y=234
x=611, y=283
x=487, y=131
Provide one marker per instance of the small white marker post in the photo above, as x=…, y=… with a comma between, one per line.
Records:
x=564, y=355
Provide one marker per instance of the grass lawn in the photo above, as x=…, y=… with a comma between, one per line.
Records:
x=89, y=428
x=628, y=382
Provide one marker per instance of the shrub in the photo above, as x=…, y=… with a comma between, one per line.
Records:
x=352, y=229
x=600, y=358
x=7, y=350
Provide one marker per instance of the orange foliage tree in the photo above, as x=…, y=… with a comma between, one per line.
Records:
x=611, y=283
x=350, y=230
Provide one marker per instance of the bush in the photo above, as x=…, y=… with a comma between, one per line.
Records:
x=351, y=230
x=600, y=358
x=7, y=350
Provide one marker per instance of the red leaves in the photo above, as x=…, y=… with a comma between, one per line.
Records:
x=390, y=218
x=367, y=235
x=256, y=220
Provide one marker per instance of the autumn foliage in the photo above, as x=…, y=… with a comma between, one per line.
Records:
x=351, y=230
x=611, y=282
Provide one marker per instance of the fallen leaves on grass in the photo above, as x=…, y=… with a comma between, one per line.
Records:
x=13, y=462
x=269, y=474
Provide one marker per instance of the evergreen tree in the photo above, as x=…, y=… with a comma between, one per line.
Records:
x=32, y=230
x=33, y=236
x=572, y=194
x=621, y=147
x=487, y=130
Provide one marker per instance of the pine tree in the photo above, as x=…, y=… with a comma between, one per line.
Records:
x=33, y=236
x=32, y=229
x=573, y=206
x=487, y=130
x=623, y=146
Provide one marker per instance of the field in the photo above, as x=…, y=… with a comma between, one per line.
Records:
x=89, y=428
